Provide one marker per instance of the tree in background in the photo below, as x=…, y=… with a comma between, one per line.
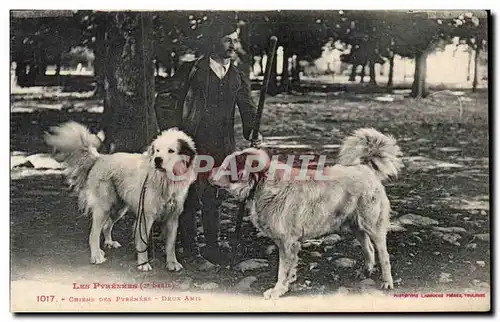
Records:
x=374, y=35
x=122, y=43
x=126, y=45
x=129, y=117
x=38, y=42
x=420, y=33
x=175, y=34
x=93, y=33
x=365, y=33
x=472, y=28
x=299, y=34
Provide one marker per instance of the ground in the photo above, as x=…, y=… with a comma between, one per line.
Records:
x=444, y=139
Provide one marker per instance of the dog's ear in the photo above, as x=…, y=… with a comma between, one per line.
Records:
x=185, y=149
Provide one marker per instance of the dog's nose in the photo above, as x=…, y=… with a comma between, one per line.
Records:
x=158, y=161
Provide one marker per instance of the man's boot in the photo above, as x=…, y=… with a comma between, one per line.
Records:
x=213, y=251
x=188, y=233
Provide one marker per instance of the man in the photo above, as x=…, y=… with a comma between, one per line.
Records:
x=206, y=92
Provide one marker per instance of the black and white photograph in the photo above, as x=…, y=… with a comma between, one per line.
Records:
x=250, y=161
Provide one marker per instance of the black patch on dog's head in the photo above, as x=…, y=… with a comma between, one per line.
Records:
x=186, y=149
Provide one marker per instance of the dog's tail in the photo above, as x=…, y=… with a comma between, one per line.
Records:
x=374, y=149
x=77, y=147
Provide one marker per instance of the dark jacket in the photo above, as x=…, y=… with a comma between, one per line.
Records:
x=197, y=109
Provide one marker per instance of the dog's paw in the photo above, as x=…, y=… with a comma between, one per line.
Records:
x=112, y=244
x=174, y=266
x=98, y=258
x=273, y=293
x=387, y=285
x=145, y=267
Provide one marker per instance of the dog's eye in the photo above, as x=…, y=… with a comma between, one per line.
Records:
x=157, y=150
x=170, y=151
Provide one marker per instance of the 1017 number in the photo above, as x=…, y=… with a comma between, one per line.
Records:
x=45, y=298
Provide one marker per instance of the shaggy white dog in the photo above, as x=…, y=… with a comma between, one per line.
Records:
x=153, y=185
x=289, y=209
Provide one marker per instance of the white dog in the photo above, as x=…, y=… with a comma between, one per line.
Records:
x=154, y=184
x=289, y=210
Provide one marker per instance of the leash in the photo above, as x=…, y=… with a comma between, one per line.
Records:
x=141, y=214
x=140, y=209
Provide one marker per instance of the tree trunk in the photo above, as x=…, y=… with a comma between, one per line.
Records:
x=373, y=81
x=21, y=73
x=476, y=64
x=58, y=69
x=157, y=67
x=41, y=68
x=174, y=62
x=58, y=65
x=352, y=76
x=262, y=65
x=273, y=80
x=390, y=82
x=285, y=75
x=418, y=87
x=130, y=120
x=469, y=64
x=100, y=57
x=363, y=73
x=99, y=71
x=295, y=72
x=35, y=64
x=31, y=76
x=167, y=64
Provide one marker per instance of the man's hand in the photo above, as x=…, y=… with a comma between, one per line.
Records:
x=255, y=143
